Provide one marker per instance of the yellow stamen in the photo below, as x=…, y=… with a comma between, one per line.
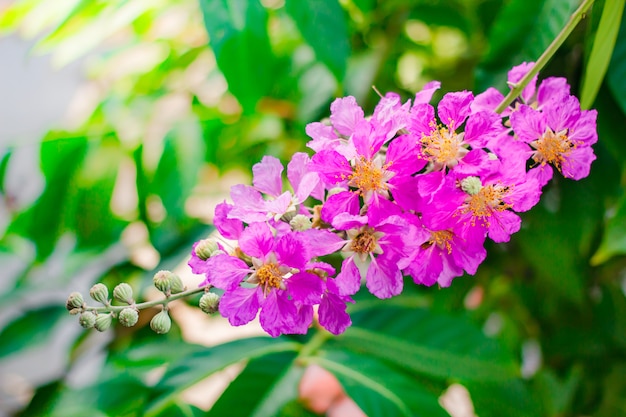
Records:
x=487, y=201
x=443, y=146
x=367, y=176
x=552, y=148
x=269, y=276
x=441, y=238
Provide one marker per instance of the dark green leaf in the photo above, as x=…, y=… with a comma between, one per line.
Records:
x=506, y=398
x=238, y=35
x=32, y=329
x=614, y=237
x=427, y=343
x=377, y=389
x=323, y=25
x=269, y=382
x=601, y=52
x=199, y=364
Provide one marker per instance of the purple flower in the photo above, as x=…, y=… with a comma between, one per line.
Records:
x=378, y=246
x=276, y=281
x=445, y=254
x=560, y=135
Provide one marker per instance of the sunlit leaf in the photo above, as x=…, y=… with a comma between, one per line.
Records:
x=601, y=52
x=323, y=25
x=238, y=35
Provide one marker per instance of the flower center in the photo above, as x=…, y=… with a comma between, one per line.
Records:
x=367, y=177
x=487, y=200
x=269, y=275
x=443, y=147
x=441, y=238
x=552, y=148
x=365, y=242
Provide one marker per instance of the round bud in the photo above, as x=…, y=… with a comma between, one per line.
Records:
x=75, y=300
x=176, y=284
x=162, y=280
x=124, y=293
x=209, y=302
x=103, y=322
x=87, y=319
x=161, y=323
x=100, y=293
x=471, y=185
x=300, y=222
x=205, y=248
x=335, y=190
x=128, y=317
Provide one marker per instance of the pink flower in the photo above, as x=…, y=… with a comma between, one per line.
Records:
x=277, y=281
x=560, y=135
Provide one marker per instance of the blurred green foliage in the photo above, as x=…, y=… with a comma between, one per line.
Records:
x=179, y=93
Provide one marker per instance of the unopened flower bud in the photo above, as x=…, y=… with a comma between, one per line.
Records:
x=103, y=322
x=75, y=300
x=205, y=248
x=87, y=319
x=128, y=317
x=471, y=185
x=100, y=293
x=209, y=302
x=176, y=284
x=300, y=222
x=161, y=323
x=124, y=293
x=162, y=280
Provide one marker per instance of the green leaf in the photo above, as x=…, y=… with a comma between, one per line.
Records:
x=31, y=329
x=614, y=236
x=201, y=363
x=269, y=382
x=323, y=25
x=506, y=398
x=238, y=35
x=377, y=389
x=427, y=343
x=617, y=68
x=601, y=52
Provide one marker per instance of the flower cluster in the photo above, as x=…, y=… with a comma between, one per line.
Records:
x=413, y=190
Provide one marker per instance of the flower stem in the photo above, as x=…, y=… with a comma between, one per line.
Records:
x=147, y=304
x=574, y=19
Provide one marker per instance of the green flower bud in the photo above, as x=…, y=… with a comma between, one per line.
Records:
x=300, y=222
x=176, y=284
x=75, y=300
x=103, y=322
x=124, y=293
x=87, y=319
x=100, y=293
x=471, y=185
x=209, y=302
x=161, y=323
x=162, y=280
x=205, y=248
x=128, y=317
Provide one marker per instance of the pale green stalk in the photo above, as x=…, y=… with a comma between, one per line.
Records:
x=147, y=304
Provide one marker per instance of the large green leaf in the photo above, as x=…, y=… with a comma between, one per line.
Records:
x=201, y=363
x=601, y=51
x=238, y=35
x=269, y=382
x=617, y=68
x=323, y=25
x=379, y=390
x=428, y=343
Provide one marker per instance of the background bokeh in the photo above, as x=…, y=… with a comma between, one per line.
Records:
x=124, y=122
